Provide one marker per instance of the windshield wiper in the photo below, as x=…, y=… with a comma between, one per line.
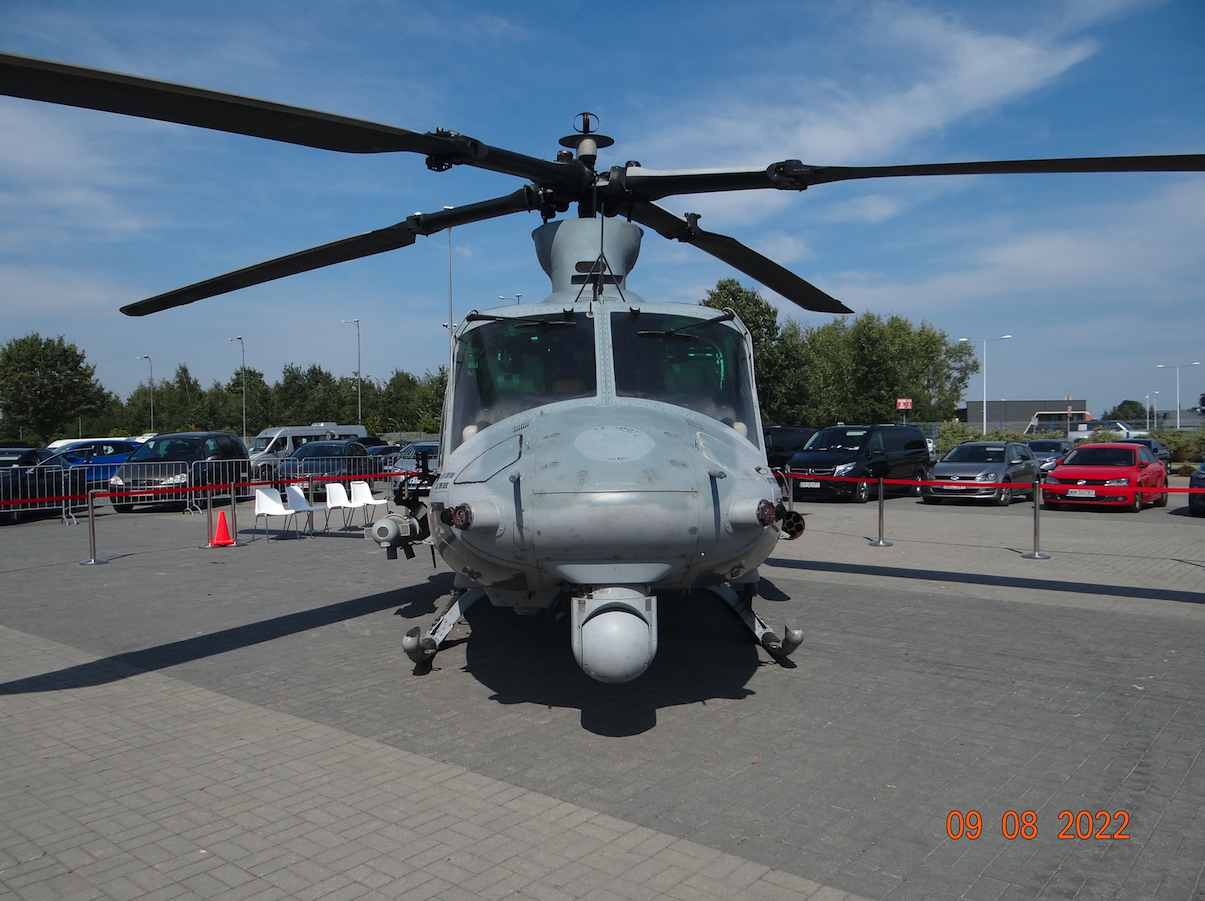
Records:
x=525, y=320
x=678, y=332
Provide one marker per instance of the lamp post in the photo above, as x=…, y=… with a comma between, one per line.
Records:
x=243, y=347
x=152, y=365
x=359, y=409
x=985, y=340
x=1178, y=368
x=1148, y=412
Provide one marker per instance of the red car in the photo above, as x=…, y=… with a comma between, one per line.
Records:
x=1100, y=474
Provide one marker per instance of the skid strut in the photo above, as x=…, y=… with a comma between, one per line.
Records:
x=742, y=605
x=421, y=648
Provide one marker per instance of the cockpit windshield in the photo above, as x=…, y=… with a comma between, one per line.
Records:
x=506, y=366
x=701, y=364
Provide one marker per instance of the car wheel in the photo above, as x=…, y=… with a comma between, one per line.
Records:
x=1161, y=501
x=861, y=492
x=918, y=476
x=122, y=508
x=1135, y=505
x=1004, y=496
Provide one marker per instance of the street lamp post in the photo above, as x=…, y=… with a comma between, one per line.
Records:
x=985, y=340
x=1178, y=368
x=152, y=365
x=1148, y=412
x=243, y=347
x=359, y=408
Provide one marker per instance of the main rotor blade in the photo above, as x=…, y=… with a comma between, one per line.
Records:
x=792, y=175
x=738, y=256
x=131, y=95
x=383, y=239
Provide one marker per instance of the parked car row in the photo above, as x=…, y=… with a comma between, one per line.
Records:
x=844, y=462
x=138, y=471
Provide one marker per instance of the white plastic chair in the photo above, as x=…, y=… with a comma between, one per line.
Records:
x=268, y=503
x=299, y=504
x=336, y=499
x=361, y=495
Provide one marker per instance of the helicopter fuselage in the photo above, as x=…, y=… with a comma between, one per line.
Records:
x=601, y=448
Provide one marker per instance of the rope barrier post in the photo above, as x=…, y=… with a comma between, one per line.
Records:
x=882, y=542
x=208, y=519
x=234, y=514
x=790, y=489
x=1036, y=553
x=92, y=560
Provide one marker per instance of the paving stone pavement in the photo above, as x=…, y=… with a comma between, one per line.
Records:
x=240, y=723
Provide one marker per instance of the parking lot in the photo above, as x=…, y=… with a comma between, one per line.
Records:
x=241, y=722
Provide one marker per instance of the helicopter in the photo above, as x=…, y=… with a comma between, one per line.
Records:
x=597, y=449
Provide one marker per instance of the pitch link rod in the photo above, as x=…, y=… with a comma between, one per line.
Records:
x=383, y=239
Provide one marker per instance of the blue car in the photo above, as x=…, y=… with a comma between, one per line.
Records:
x=101, y=458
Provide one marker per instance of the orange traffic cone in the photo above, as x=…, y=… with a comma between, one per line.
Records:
x=221, y=537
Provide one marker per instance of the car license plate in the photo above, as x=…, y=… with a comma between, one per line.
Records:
x=1081, y=492
x=809, y=484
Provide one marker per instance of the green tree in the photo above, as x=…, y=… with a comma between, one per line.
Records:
x=1132, y=411
x=46, y=386
x=847, y=370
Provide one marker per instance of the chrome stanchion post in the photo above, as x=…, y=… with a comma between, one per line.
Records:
x=1036, y=553
x=92, y=558
x=790, y=488
x=234, y=510
x=208, y=519
x=882, y=542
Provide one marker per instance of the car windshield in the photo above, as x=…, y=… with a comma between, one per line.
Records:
x=976, y=453
x=1045, y=447
x=837, y=439
x=1100, y=456
x=259, y=444
x=701, y=364
x=320, y=449
x=165, y=448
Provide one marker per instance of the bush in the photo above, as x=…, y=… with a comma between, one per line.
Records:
x=1186, y=469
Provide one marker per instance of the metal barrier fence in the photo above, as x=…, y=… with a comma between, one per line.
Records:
x=74, y=490
x=25, y=489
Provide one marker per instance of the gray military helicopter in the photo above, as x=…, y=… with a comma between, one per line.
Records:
x=597, y=449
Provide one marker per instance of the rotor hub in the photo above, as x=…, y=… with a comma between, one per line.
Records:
x=587, y=141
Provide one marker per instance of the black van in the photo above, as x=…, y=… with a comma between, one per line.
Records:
x=859, y=452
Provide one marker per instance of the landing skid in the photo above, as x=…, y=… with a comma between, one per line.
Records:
x=742, y=606
x=421, y=648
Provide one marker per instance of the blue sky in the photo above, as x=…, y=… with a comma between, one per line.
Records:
x=1099, y=278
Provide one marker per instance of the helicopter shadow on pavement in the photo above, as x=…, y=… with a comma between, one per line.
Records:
x=416, y=600
x=704, y=652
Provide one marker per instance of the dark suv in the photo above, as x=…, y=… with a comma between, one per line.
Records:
x=180, y=460
x=858, y=452
x=783, y=442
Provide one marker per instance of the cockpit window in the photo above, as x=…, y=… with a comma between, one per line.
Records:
x=686, y=361
x=507, y=366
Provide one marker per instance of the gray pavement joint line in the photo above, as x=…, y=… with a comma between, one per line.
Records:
x=165, y=689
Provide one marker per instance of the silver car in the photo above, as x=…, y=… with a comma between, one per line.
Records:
x=998, y=470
